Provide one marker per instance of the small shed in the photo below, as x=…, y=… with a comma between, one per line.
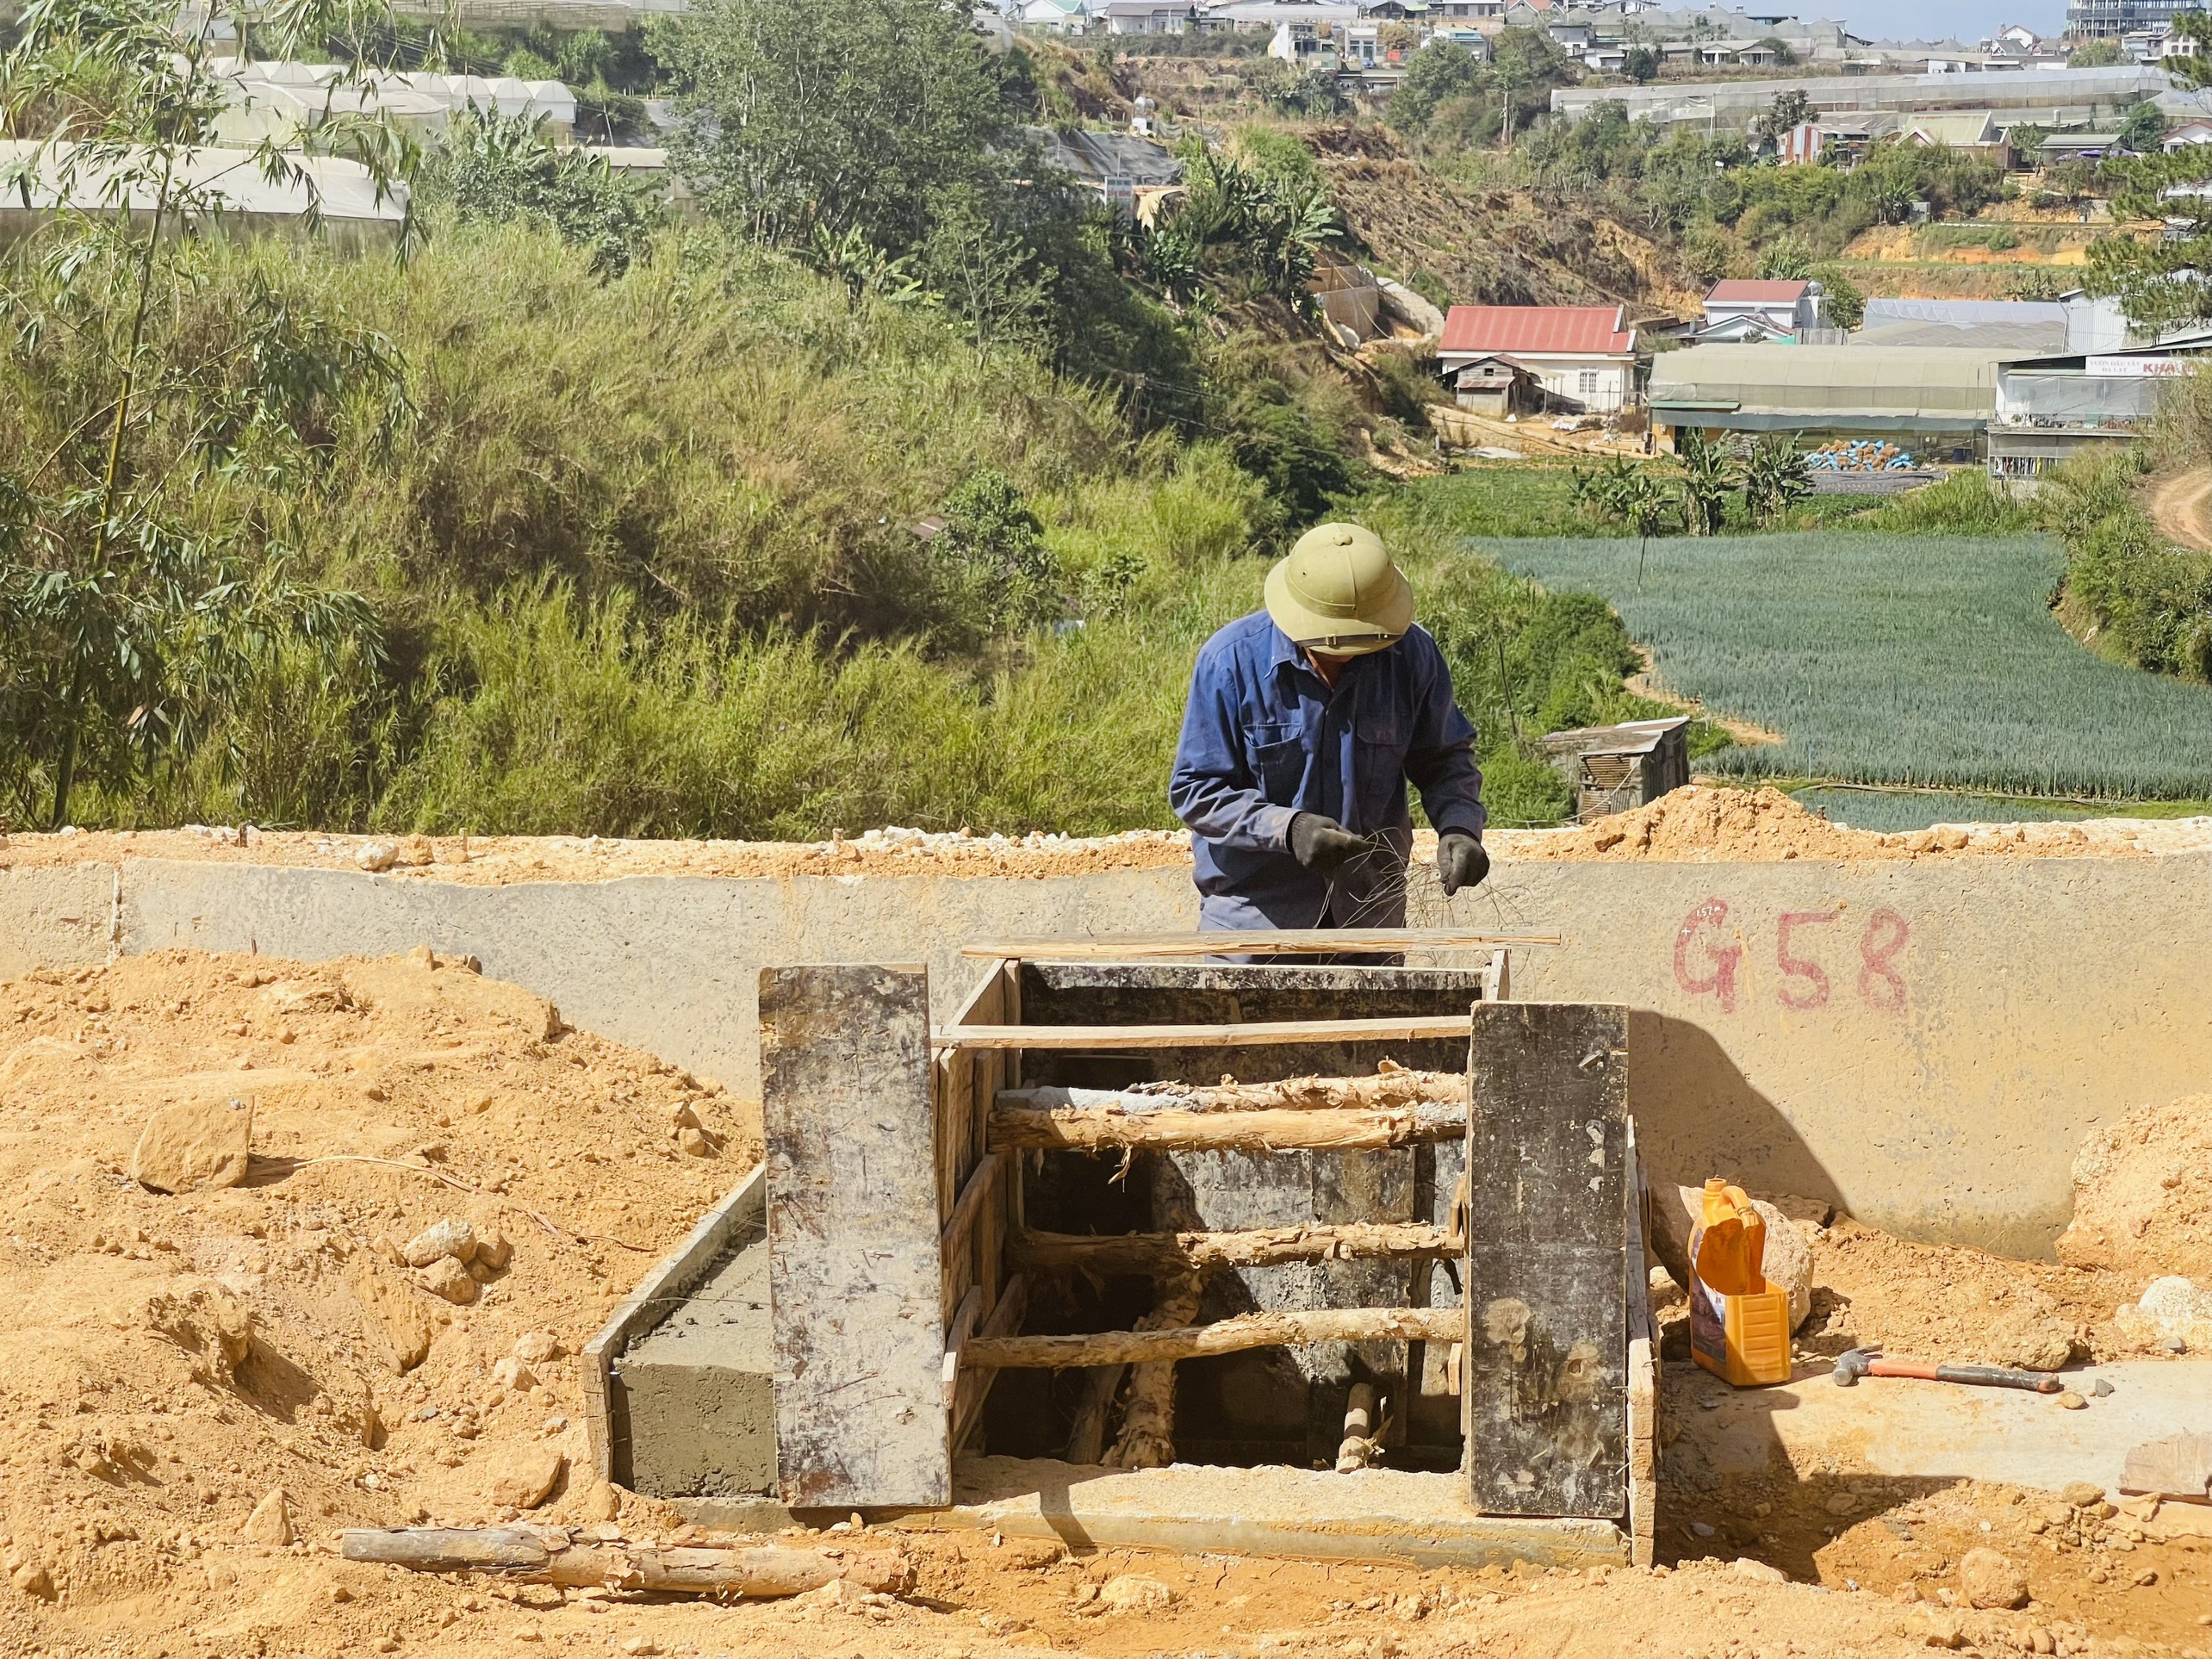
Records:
x=1496, y=386
x=1612, y=768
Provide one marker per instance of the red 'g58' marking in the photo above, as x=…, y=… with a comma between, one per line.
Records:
x=1879, y=983
x=1813, y=993
x=1720, y=959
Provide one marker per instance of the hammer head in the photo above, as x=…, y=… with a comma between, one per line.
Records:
x=1852, y=1364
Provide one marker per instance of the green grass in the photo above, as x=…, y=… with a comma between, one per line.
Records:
x=1920, y=660
x=1504, y=498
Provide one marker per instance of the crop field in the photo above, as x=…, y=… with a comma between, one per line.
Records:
x=1922, y=660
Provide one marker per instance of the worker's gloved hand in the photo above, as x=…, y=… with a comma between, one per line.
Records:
x=1323, y=845
x=1460, y=861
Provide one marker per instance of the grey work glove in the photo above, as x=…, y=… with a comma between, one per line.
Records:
x=1460, y=861
x=1323, y=845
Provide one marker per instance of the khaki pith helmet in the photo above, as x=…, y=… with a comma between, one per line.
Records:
x=1338, y=592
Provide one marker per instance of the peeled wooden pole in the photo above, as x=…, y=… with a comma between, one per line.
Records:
x=547, y=1556
x=1077, y=1128
x=1147, y=1437
x=1392, y=1086
x=1358, y=1447
x=1227, y=1336
x=1164, y=1253
x=1086, y=1434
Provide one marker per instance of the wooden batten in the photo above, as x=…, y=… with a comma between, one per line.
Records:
x=1137, y=947
x=1251, y=1033
x=1166, y=1253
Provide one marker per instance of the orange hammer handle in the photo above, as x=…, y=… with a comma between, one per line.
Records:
x=1902, y=1367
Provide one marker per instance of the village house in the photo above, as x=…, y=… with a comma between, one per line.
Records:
x=1738, y=310
x=1583, y=356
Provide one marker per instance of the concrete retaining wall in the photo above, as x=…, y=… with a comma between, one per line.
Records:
x=1922, y=1043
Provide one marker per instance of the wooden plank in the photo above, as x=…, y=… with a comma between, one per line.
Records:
x=1164, y=1253
x=1081, y=1129
x=964, y=1235
x=1411, y=1028
x=855, y=1236
x=1546, y=1271
x=973, y=1383
x=1227, y=1336
x=1382, y=1091
x=956, y=1336
x=1498, y=977
x=1130, y=947
x=1643, y=1379
x=673, y=1278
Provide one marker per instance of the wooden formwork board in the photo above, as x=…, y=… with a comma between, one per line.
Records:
x=1546, y=1364
x=855, y=1225
x=1643, y=1378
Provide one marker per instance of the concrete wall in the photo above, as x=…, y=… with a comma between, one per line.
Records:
x=1922, y=1043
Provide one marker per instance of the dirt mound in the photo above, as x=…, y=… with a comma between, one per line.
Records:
x=170, y=1362
x=1945, y=1302
x=1704, y=825
x=2143, y=1195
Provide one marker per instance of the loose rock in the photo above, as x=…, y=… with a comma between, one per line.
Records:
x=188, y=1147
x=446, y=1277
x=537, y=1347
x=450, y=1237
x=525, y=1476
x=1132, y=1592
x=494, y=1251
x=394, y=1315
x=513, y=1374
x=1747, y=1568
x=2082, y=1494
x=2070, y=1401
x=32, y=1579
x=377, y=855
x=1989, y=1578
x=270, y=1521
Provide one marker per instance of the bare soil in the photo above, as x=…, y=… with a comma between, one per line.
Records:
x=1698, y=824
x=2179, y=503
x=170, y=1361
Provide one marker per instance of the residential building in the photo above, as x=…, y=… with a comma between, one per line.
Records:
x=1146, y=16
x=1496, y=386
x=2199, y=131
x=1739, y=310
x=1584, y=356
x=2109, y=19
x=1060, y=16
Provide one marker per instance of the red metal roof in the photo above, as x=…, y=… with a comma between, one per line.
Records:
x=1742, y=292
x=1537, y=328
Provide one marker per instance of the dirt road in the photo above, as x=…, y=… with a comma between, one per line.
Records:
x=2181, y=506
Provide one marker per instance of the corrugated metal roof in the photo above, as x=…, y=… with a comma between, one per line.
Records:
x=1540, y=328
x=1818, y=381
x=341, y=190
x=1742, y=290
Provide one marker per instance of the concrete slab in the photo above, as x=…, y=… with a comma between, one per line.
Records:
x=56, y=918
x=1897, y=1426
x=1370, y=1514
x=699, y=1388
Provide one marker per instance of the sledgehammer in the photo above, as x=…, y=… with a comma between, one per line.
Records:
x=1868, y=1362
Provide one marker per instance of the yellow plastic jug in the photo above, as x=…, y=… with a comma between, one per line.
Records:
x=1739, y=1319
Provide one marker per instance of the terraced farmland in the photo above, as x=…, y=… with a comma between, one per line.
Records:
x=1893, y=659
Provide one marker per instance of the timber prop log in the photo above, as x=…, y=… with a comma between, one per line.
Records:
x=1228, y=1336
x=551, y=1555
x=1166, y=1254
x=1106, y=1128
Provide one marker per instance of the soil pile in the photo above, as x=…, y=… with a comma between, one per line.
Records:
x=1944, y=1302
x=2143, y=1195
x=1704, y=825
x=447, y=1190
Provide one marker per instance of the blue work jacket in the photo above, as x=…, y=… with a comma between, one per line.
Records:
x=1264, y=738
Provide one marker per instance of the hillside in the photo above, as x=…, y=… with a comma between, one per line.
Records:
x=1490, y=247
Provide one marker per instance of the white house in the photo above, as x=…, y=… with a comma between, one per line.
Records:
x=1062, y=16
x=1584, y=356
x=1739, y=310
x=2189, y=132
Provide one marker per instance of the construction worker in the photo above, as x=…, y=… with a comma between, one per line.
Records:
x=1304, y=724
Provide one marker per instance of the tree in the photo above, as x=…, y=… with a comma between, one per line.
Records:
x=123, y=631
x=1784, y=56
x=1776, y=477
x=2026, y=139
x=2144, y=127
x=1439, y=72
x=1785, y=260
x=2096, y=54
x=983, y=270
x=1841, y=298
x=1709, y=477
x=1790, y=109
x=836, y=113
x=497, y=168
x=2170, y=280
x=2196, y=68
x=1641, y=65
